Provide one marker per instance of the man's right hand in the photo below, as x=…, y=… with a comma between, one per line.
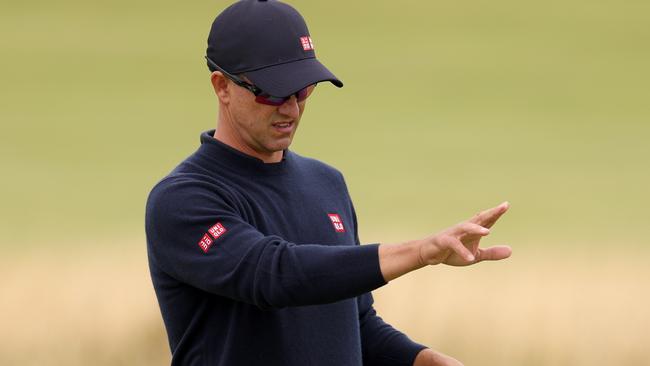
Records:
x=459, y=244
x=455, y=246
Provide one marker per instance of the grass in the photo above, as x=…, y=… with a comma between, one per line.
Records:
x=447, y=109
x=97, y=306
x=576, y=308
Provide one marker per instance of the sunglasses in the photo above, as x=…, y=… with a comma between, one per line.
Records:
x=261, y=96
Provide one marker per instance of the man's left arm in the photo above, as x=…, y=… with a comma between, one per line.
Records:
x=381, y=344
x=384, y=345
x=429, y=357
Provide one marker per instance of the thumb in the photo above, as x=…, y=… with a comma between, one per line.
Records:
x=493, y=253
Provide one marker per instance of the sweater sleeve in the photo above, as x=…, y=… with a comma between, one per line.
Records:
x=383, y=345
x=197, y=237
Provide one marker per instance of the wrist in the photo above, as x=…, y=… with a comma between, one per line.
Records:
x=420, y=246
x=396, y=260
x=424, y=358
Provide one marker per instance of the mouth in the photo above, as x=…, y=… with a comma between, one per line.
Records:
x=283, y=127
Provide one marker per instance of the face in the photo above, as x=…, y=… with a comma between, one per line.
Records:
x=256, y=129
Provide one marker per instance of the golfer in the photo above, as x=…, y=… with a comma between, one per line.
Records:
x=253, y=249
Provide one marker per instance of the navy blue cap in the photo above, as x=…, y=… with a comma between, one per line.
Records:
x=268, y=42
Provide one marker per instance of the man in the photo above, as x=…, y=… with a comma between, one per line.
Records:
x=253, y=249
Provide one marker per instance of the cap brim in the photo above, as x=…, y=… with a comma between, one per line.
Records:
x=288, y=78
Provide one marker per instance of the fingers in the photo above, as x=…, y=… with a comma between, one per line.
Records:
x=493, y=253
x=460, y=249
x=470, y=228
x=488, y=217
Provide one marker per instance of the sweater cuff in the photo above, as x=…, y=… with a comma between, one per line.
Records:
x=400, y=352
x=351, y=272
x=411, y=351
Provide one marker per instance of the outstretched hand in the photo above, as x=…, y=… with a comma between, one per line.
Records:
x=455, y=246
x=459, y=244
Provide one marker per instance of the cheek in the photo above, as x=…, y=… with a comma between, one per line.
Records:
x=254, y=116
x=248, y=113
x=242, y=108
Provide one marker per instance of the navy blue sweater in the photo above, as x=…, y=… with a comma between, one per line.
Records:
x=260, y=264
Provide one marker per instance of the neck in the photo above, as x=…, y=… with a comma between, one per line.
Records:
x=231, y=137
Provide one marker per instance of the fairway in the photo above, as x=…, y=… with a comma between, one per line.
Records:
x=447, y=109
x=523, y=312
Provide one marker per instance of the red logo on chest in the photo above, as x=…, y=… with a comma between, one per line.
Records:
x=336, y=221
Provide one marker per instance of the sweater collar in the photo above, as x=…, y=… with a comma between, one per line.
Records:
x=225, y=155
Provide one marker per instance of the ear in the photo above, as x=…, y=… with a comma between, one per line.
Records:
x=220, y=86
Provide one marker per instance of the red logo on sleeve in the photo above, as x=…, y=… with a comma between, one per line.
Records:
x=216, y=231
x=205, y=243
x=336, y=221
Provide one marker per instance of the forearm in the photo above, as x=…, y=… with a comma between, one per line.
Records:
x=382, y=344
x=424, y=358
x=273, y=273
x=429, y=357
x=396, y=260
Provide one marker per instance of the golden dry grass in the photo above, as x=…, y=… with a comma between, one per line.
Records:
x=97, y=307
x=80, y=307
x=539, y=308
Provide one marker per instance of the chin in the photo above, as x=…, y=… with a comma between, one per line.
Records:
x=282, y=144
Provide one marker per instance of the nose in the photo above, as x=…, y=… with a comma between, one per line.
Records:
x=290, y=108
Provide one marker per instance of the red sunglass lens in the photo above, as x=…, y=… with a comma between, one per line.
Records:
x=301, y=95
x=270, y=100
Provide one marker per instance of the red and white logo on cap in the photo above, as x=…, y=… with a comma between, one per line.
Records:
x=336, y=221
x=307, y=43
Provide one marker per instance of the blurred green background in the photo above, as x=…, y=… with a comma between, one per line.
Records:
x=448, y=108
